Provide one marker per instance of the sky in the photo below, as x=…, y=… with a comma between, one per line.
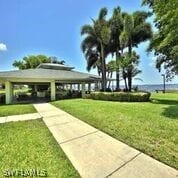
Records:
x=52, y=27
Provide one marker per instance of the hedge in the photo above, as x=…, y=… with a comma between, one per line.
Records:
x=121, y=96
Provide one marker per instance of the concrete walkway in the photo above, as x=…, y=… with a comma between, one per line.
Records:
x=22, y=117
x=97, y=155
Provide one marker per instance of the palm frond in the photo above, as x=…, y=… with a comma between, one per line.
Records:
x=142, y=33
x=87, y=29
x=88, y=42
x=102, y=14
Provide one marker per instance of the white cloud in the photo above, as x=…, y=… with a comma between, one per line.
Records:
x=153, y=61
x=3, y=47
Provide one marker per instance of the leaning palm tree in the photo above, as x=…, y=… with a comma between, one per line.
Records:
x=135, y=31
x=96, y=39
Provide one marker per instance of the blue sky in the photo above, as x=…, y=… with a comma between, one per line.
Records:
x=52, y=27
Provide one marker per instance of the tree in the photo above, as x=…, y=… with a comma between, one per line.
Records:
x=54, y=60
x=33, y=61
x=96, y=39
x=164, y=43
x=116, y=25
x=110, y=68
x=135, y=31
x=129, y=64
x=122, y=31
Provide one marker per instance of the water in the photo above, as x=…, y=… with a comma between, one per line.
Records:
x=152, y=88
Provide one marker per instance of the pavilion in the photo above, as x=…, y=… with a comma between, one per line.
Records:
x=47, y=74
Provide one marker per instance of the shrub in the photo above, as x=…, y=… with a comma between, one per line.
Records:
x=121, y=96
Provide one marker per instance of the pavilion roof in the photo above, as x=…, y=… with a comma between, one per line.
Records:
x=49, y=74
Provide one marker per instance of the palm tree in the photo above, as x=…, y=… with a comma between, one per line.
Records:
x=135, y=31
x=129, y=63
x=98, y=66
x=96, y=39
x=110, y=68
x=116, y=24
x=123, y=63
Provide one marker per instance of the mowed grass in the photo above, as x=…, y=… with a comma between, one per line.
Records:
x=2, y=91
x=24, y=90
x=30, y=145
x=150, y=127
x=16, y=109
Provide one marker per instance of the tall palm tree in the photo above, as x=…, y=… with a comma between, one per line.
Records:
x=97, y=37
x=135, y=31
x=116, y=24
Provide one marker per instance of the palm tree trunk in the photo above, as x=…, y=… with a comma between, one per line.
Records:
x=98, y=71
x=130, y=70
x=108, y=74
x=117, y=71
x=125, y=81
x=110, y=80
x=103, y=68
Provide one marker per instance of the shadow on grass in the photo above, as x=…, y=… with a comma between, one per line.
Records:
x=164, y=101
x=171, y=112
x=14, y=104
x=171, y=109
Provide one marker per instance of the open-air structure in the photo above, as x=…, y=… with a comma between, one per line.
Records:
x=47, y=78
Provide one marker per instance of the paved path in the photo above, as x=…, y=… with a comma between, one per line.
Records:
x=22, y=117
x=97, y=155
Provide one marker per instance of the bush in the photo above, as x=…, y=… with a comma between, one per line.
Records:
x=68, y=95
x=121, y=96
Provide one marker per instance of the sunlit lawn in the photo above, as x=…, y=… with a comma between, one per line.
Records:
x=25, y=90
x=30, y=145
x=151, y=127
x=16, y=109
x=2, y=91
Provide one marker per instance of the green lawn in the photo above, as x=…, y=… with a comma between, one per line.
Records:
x=16, y=109
x=30, y=145
x=151, y=127
x=25, y=90
x=2, y=91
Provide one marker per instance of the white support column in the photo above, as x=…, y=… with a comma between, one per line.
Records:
x=71, y=87
x=9, y=92
x=83, y=90
x=35, y=88
x=53, y=91
x=67, y=86
x=78, y=87
x=89, y=86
